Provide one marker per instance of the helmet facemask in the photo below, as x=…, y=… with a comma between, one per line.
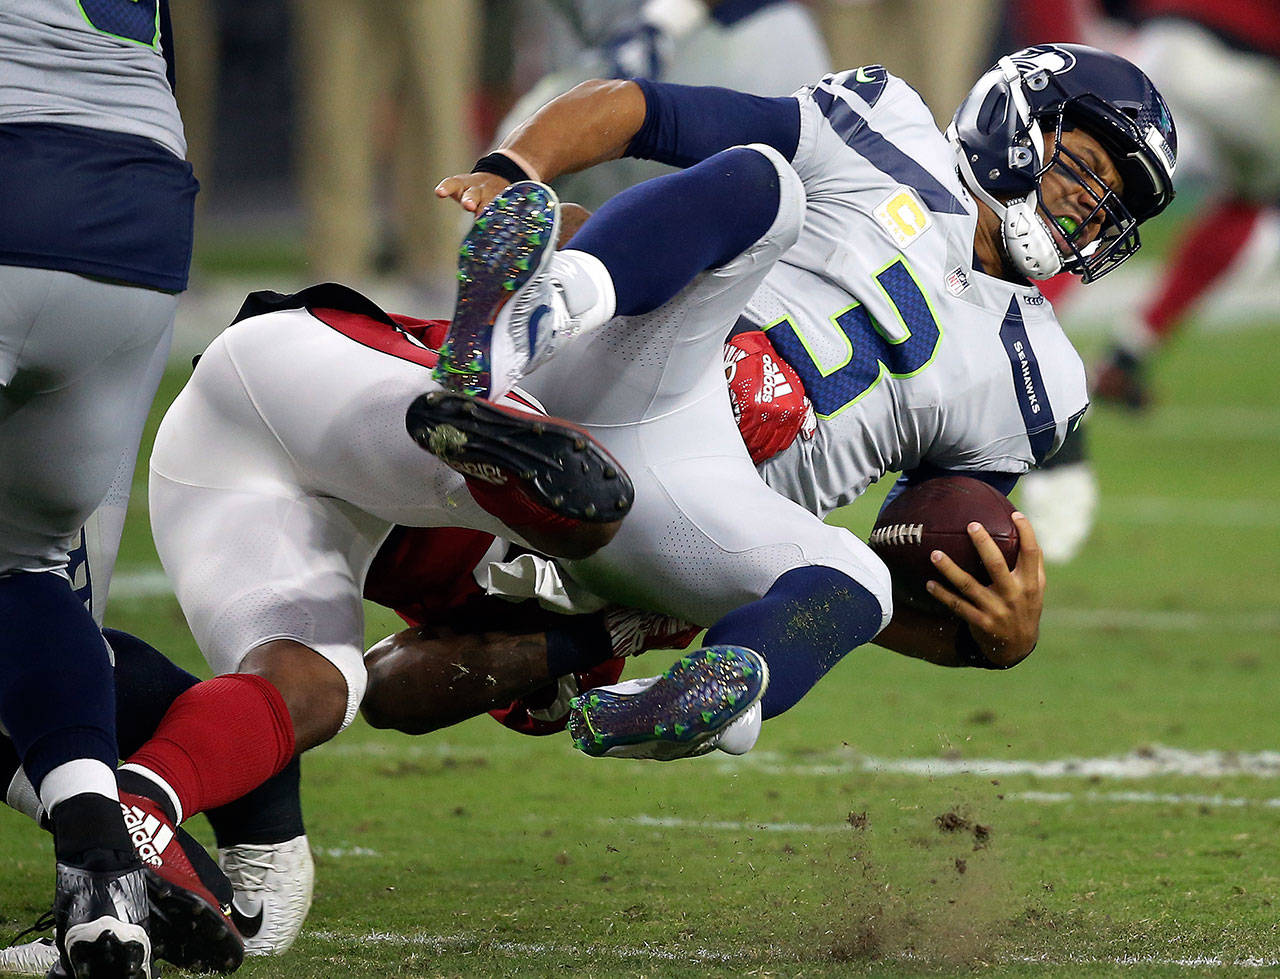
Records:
x=1108, y=233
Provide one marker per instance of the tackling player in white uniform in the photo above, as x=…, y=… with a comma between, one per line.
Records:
x=903, y=303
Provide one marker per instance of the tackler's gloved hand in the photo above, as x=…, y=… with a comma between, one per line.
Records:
x=769, y=403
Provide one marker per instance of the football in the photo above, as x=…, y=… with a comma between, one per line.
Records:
x=932, y=515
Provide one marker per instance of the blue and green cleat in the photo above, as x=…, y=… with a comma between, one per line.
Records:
x=500, y=322
x=679, y=714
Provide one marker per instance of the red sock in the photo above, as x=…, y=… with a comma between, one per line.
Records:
x=1203, y=254
x=218, y=740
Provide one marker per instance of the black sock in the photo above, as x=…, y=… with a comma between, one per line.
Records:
x=271, y=813
x=136, y=783
x=89, y=832
x=147, y=684
x=9, y=762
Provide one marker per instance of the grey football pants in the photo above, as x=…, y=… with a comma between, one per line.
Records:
x=80, y=360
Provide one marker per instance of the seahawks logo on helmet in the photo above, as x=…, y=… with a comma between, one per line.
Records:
x=1043, y=57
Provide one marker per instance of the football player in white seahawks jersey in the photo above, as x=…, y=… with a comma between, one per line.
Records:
x=96, y=210
x=904, y=302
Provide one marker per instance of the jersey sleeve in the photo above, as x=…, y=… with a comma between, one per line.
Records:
x=865, y=128
x=685, y=124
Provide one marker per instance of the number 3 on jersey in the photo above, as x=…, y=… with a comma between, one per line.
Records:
x=871, y=350
x=132, y=20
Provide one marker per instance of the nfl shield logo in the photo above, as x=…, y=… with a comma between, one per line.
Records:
x=957, y=281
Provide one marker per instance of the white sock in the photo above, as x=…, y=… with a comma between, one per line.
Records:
x=22, y=796
x=588, y=287
x=76, y=777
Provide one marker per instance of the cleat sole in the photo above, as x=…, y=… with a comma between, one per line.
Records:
x=552, y=461
x=505, y=248
x=189, y=932
x=692, y=702
x=108, y=957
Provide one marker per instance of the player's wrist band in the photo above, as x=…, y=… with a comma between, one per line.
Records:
x=503, y=165
x=970, y=653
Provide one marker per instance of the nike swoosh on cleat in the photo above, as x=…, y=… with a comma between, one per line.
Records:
x=247, y=925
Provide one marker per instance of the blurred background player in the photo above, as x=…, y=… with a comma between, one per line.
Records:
x=96, y=204
x=765, y=47
x=1219, y=64
x=1219, y=67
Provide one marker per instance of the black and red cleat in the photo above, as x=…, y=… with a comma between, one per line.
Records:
x=189, y=896
x=1120, y=379
x=543, y=477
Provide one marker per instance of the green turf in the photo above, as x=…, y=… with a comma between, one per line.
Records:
x=477, y=852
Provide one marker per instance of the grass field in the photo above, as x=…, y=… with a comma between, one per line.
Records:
x=1108, y=808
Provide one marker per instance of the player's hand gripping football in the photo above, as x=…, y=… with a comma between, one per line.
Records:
x=1004, y=617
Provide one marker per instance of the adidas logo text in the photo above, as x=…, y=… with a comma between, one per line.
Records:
x=150, y=836
x=484, y=471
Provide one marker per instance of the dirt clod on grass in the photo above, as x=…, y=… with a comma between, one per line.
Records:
x=955, y=821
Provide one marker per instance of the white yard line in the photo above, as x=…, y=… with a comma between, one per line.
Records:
x=1150, y=762
x=1231, y=423
x=1159, y=620
x=1156, y=762
x=1197, y=511
x=127, y=585
x=1146, y=799
x=469, y=944
x=568, y=953
x=645, y=821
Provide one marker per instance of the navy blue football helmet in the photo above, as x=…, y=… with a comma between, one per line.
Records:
x=1007, y=134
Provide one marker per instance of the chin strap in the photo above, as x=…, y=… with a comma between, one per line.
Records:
x=1028, y=242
